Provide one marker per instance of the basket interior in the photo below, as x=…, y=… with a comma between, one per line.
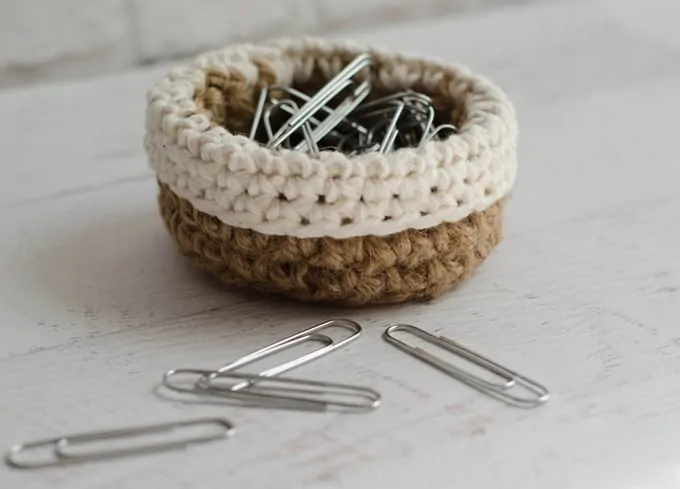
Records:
x=231, y=100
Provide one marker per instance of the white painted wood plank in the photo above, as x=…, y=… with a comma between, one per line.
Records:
x=69, y=137
x=583, y=293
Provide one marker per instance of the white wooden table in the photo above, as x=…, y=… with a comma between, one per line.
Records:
x=583, y=294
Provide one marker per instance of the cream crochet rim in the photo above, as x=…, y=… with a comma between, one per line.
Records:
x=241, y=183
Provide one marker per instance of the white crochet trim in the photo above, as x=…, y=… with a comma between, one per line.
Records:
x=240, y=182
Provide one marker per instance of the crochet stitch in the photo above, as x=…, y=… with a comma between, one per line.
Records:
x=372, y=228
x=290, y=193
x=409, y=265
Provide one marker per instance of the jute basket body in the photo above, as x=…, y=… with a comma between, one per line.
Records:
x=374, y=228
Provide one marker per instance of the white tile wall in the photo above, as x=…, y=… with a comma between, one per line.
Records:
x=175, y=27
x=42, y=40
x=51, y=38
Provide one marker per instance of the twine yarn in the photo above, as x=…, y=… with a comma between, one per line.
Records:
x=372, y=228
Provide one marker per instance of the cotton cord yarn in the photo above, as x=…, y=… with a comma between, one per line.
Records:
x=373, y=228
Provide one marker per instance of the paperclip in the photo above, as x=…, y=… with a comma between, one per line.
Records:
x=441, y=128
x=339, y=114
x=365, y=148
x=427, y=130
x=292, y=108
x=348, y=324
x=258, y=113
x=203, y=382
x=60, y=455
x=310, y=138
x=304, y=98
x=323, y=96
x=287, y=393
x=309, y=334
x=291, y=111
x=391, y=133
x=192, y=385
x=499, y=391
x=400, y=96
x=338, y=118
x=330, y=112
x=267, y=117
x=420, y=107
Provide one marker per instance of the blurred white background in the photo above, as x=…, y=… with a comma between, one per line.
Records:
x=44, y=40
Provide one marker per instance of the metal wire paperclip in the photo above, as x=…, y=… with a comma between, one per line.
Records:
x=204, y=385
x=60, y=454
x=341, y=81
x=288, y=393
x=309, y=334
x=500, y=391
x=338, y=118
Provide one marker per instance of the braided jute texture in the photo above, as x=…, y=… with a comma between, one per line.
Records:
x=407, y=266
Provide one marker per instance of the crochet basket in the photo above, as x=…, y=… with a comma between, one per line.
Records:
x=366, y=229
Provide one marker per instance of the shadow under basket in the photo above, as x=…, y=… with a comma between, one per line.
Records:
x=367, y=229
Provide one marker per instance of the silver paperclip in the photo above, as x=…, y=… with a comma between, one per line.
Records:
x=294, y=93
x=203, y=384
x=287, y=393
x=312, y=332
x=336, y=85
x=291, y=107
x=60, y=445
x=290, y=110
x=407, y=96
x=392, y=131
x=500, y=391
x=440, y=129
x=259, y=110
x=339, y=116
